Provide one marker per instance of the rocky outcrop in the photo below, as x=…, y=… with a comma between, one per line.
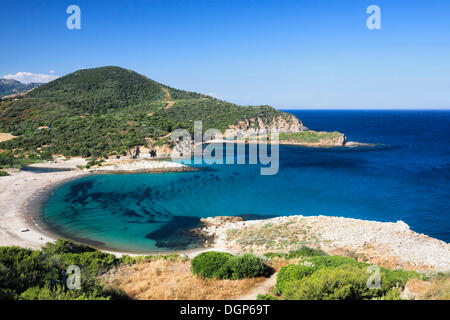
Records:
x=128, y=166
x=386, y=244
x=255, y=126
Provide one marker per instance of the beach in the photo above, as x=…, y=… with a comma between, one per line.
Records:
x=388, y=244
x=18, y=226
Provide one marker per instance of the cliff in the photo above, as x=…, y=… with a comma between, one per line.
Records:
x=258, y=126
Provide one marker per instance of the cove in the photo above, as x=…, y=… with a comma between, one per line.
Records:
x=406, y=178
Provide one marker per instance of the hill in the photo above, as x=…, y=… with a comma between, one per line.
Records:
x=110, y=110
x=9, y=87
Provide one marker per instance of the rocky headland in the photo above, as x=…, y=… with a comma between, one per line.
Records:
x=392, y=245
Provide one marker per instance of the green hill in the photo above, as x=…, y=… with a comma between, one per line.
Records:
x=109, y=110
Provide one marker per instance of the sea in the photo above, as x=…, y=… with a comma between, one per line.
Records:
x=405, y=176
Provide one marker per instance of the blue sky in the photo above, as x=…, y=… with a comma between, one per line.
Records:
x=288, y=54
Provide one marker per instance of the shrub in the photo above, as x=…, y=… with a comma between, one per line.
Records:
x=338, y=278
x=32, y=274
x=3, y=173
x=266, y=297
x=244, y=266
x=224, y=266
x=333, y=261
x=341, y=283
x=209, y=264
x=291, y=273
x=65, y=246
x=59, y=292
x=302, y=252
x=305, y=252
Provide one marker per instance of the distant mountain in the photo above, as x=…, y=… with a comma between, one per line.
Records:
x=10, y=86
x=110, y=110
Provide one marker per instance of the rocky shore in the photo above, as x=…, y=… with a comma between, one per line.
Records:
x=386, y=244
x=140, y=166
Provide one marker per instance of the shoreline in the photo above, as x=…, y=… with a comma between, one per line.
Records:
x=23, y=193
x=348, y=144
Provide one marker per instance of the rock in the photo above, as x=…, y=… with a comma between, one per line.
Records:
x=400, y=226
x=415, y=289
x=255, y=126
x=219, y=221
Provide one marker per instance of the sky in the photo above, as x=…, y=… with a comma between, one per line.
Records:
x=289, y=54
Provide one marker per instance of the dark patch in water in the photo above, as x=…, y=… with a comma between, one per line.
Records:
x=131, y=213
x=176, y=234
x=251, y=216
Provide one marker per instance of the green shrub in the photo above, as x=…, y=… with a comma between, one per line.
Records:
x=396, y=278
x=65, y=246
x=209, y=264
x=244, y=266
x=266, y=297
x=291, y=273
x=59, y=292
x=337, y=278
x=302, y=252
x=393, y=294
x=32, y=274
x=128, y=260
x=340, y=283
x=333, y=261
x=3, y=173
x=222, y=265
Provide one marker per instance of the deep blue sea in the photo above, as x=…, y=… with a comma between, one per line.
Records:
x=406, y=177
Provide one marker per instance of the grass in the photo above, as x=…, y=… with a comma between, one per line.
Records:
x=173, y=280
x=309, y=136
x=288, y=235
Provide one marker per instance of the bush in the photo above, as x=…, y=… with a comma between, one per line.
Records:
x=3, y=173
x=209, y=264
x=305, y=252
x=266, y=297
x=302, y=252
x=222, y=265
x=32, y=274
x=291, y=273
x=341, y=283
x=333, y=261
x=59, y=292
x=65, y=246
x=244, y=266
x=340, y=278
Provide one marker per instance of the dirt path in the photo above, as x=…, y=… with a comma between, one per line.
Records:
x=6, y=137
x=167, y=99
x=169, y=104
x=262, y=288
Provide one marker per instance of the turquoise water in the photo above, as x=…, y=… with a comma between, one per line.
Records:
x=407, y=178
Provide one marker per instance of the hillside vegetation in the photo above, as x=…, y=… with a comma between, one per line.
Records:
x=109, y=110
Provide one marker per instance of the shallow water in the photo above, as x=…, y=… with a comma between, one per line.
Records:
x=408, y=178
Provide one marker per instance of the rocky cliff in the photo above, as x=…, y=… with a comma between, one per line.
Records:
x=255, y=126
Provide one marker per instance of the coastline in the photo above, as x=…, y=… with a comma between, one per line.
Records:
x=24, y=191
x=347, y=144
x=388, y=244
x=16, y=191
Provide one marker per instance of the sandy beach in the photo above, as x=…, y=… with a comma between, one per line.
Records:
x=17, y=225
x=389, y=244
x=15, y=191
